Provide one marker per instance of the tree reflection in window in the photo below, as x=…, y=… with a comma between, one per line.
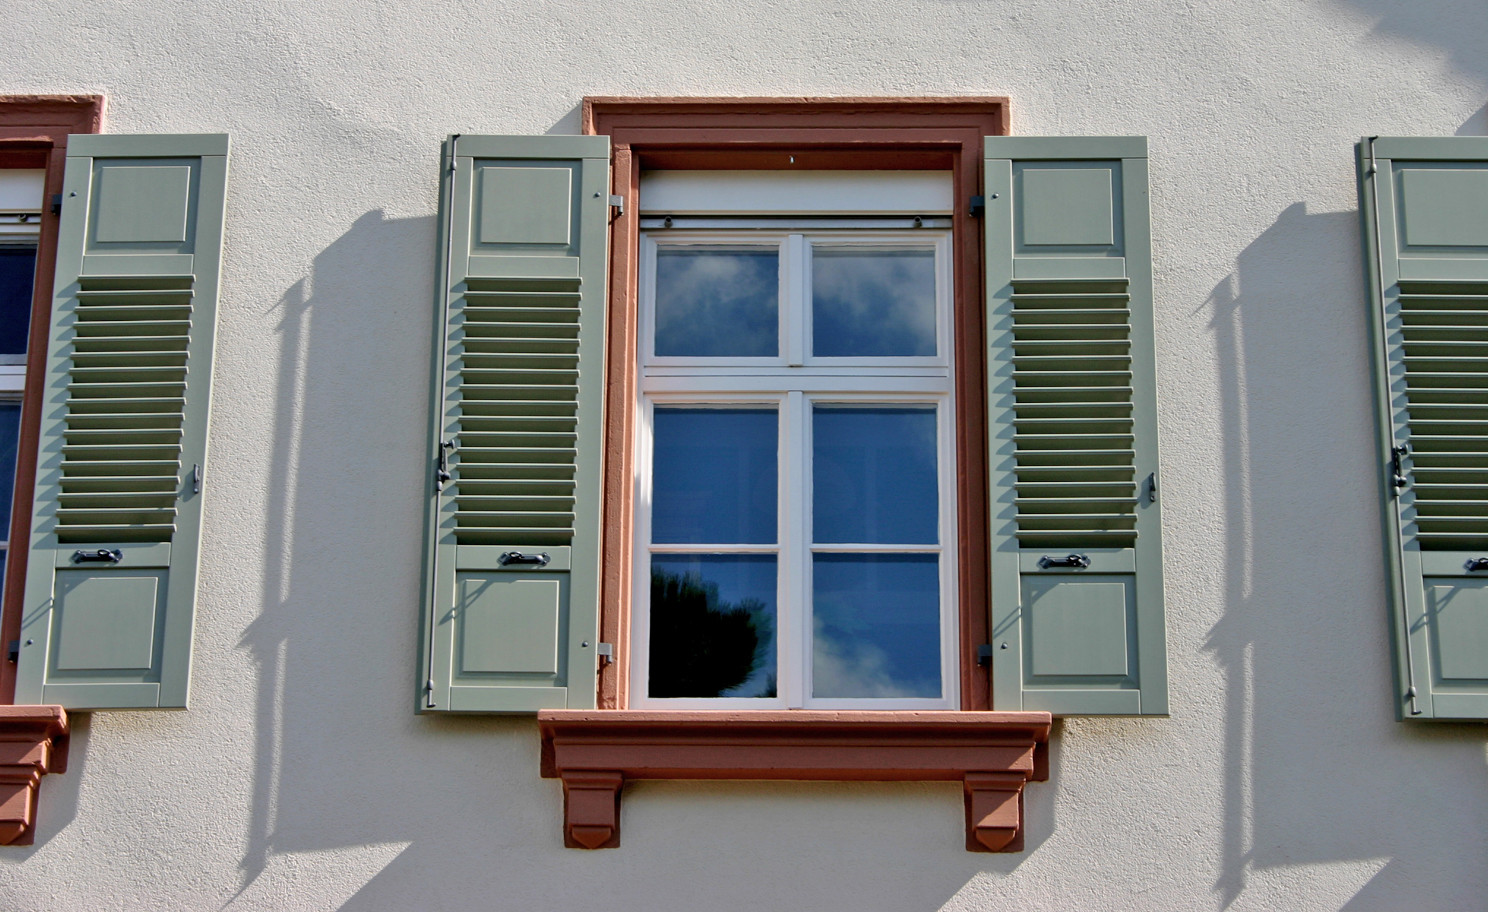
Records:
x=703, y=646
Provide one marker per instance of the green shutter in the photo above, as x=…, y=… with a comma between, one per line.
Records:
x=1425, y=217
x=1077, y=616
x=124, y=424
x=511, y=584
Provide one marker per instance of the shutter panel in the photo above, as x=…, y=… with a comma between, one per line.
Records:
x=1425, y=212
x=111, y=581
x=511, y=616
x=1077, y=614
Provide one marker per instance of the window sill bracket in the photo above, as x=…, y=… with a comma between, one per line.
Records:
x=993, y=754
x=33, y=742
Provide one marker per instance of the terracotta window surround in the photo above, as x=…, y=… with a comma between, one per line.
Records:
x=33, y=739
x=991, y=753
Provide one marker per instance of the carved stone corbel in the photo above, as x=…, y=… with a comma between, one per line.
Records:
x=994, y=812
x=591, y=809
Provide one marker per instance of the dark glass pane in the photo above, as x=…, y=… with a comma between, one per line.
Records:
x=713, y=476
x=876, y=625
x=874, y=476
x=872, y=303
x=717, y=303
x=712, y=625
x=17, y=272
x=10, y=431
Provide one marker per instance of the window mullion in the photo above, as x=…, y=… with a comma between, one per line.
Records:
x=794, y=618
x=794, y=295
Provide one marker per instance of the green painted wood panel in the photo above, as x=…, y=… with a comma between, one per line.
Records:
x=1072, y=429
x=126, y=404
x=1424, y=207
x=517, y=405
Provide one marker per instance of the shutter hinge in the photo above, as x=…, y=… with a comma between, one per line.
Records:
x=606, y=653
x=1152, y=488
x=978, y=206
x=196, y=476
x=984, y=655
x=56, y=204
x=13, y=651
x=617, y=202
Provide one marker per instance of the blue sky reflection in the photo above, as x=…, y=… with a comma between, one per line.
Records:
x=713, y=476
x=874, y=475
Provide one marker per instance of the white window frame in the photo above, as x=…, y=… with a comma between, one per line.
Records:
x=792, y=383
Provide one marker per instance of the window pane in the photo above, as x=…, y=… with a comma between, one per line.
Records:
x=712, y=625
x=876, y=625
x=10, y=432
x=17, y=270
x=872, y=303
x=713, y=476
x=873, y=475
x=714, y=303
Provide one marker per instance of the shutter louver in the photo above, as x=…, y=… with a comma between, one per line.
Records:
x=1425, y=216
x=518, y=412
x=511, y=614
x=1075, y=531
x=1444, y=340
x=115, y=534
x=121, y=459
x=1072, y=379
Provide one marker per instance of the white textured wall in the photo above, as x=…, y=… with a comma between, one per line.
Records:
x=300, y=779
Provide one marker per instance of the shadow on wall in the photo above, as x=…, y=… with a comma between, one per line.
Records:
x=353, y=792
x=1476, y=125
x=1455, y=26
x=1317, y=772
x=334, y=641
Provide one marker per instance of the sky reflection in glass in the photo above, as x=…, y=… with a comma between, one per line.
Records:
x=876, y=625
x=713, y=625
x=10, y=432
x=874, y=476
x=713, y=476
x=872, y=303
x=717, y=303
x=17, y=270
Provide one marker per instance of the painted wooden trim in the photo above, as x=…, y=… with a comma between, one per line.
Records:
x=805, y=133
x=33, y=133
x=33, y=742
x=993, y=754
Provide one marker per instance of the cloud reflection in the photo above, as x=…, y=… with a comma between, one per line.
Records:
x=873, y=303
x=717, y=303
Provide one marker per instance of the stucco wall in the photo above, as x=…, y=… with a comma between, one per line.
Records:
x=300, y=779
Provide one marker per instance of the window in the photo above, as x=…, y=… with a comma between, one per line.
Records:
x=578, y=450
x=796, y=449
x=1044, y=407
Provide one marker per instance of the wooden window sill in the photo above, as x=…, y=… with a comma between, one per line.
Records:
x=33, y=742
x=992, y=754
